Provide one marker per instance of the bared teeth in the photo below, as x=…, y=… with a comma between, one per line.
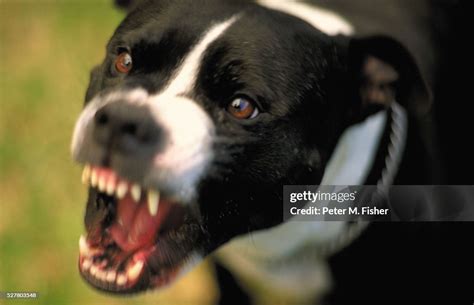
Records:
x=101, y=275
x=86, y=174
x=86, y=264
x=94, y=177
x=110, y=189
x=153, y=201
x=93, y=270
x=121, y=279
x=102, y=183
x=121, y=190
x=85, y=249
x=111, y=275
x=136, y=192
x=106, y=181
x=83, y=246
x=135, y=271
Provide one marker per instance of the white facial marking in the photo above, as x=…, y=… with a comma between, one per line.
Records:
x=186, y=76
x=324, y=20
x=187, y=150
x=188, y=128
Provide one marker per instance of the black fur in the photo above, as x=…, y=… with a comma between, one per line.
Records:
x=307, y=85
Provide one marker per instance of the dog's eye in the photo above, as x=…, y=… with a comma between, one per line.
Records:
x=242, y=108
x=123, y=62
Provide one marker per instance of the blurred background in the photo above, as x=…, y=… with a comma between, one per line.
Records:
x=47, y=48
x=46, y=51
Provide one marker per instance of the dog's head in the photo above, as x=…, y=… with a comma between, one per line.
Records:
x=199, y=114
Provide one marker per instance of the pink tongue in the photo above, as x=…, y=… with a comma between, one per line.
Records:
x=136, y=228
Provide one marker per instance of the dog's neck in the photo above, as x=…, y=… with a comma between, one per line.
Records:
x=274, y=254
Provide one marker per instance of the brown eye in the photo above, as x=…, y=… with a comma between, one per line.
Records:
x=123, y=62
x=242, y=108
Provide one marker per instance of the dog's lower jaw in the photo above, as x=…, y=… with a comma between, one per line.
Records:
x=137, y=275
x=154, y=267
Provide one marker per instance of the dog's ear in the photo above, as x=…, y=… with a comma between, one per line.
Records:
x=385, y=72
x=127, y=4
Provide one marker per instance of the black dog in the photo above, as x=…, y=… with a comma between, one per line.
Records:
x=203, y=110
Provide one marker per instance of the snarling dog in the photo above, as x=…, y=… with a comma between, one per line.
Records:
x=203, y=110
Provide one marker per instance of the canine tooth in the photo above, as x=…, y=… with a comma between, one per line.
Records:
x=85, y=249
x=93, y=271
x=136, y=192
x=111, y=276
x=86, y=174
x=102, y=183
x=121, y=279
x=101, y=275
x=153, y=201
x=134, y=272
x=94, y=178
x=121, y=190
x=110, y=186
x=86, y=264
x=83, y=246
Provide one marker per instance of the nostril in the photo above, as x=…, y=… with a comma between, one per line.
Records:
x=129, y=129
x=141, y=132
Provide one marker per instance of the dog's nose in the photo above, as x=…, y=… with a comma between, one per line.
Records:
x=126, y=127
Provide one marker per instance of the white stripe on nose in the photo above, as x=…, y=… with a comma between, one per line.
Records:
x=186, y=76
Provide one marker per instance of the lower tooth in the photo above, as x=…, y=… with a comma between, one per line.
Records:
x=111, y=276
x=86, y=264
x=83, y=246
x=134, y=272
x=93, y=270
x=85, y=249
x=101, y=275
x=121, y=279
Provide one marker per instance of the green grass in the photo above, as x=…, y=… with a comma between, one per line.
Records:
x=46, y=51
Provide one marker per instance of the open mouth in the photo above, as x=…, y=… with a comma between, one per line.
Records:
x=136, y=238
